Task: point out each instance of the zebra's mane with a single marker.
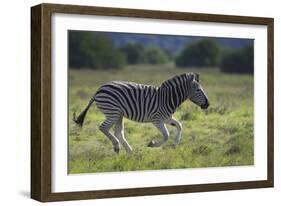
(169, 82)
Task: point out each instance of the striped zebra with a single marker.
(144, 103)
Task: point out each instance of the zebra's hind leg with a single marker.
(105, 127)
(119, 133)
(165, 135)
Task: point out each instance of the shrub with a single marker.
(155, 55)
(235, 149)
(202, 150)
(203, 53)
(239, 61)
(94, 51)
(137, 54)
(134, 53)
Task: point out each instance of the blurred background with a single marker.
(109, 50)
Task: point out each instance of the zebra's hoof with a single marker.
(116, 149)
(151, 144)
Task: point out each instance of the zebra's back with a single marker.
(134, 101)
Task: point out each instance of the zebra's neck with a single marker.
(173, 96)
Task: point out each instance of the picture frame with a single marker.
(41, 101)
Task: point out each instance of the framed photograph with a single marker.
(129, 102)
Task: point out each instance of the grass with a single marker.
(220, 136)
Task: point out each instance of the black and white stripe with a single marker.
(144, 103)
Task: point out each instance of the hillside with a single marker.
(171, 43)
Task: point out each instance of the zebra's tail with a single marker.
(80, 119)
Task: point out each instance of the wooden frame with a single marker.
(41, 101)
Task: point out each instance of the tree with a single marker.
(155, 55)
(138, 54)
(93, 50)
(203, 53)
(239, 61)
(134, 53)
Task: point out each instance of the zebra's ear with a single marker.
(196, 77)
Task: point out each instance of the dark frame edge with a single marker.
(40, 103)
(101, 194)
(36, 138)
(157, 14)
(270, 100)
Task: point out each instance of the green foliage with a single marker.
(234, 149)
(137, 54)
(220, 136)
(239, 61)
(202, 150)
(134, 53)
(170, 56)
(94, 51)
(155, 55)
(203, 53)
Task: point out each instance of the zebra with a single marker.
(144, 103)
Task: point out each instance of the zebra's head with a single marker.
(197, 94)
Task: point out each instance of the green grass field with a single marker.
(220, 136)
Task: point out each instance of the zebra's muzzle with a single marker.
(205, 106)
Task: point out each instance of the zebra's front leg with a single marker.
(178, 125)
(119, 133)
(165, 135)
